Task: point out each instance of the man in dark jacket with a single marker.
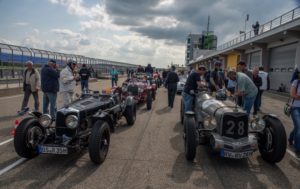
(171, 83)
(84, 77)
(50, 87)
(149, 70)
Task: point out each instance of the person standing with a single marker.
(114, 77)
(84, 74)
(264, 86)
(294, 138)
(242, 67)
(68, 82)
(255, 28)
(245, 88)
(149, 70)
(217, 79)
(171, 83)
(50, 87)
(31, 85)
(258, 82)
(193, 81)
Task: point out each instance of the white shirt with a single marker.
(66, 81)
(264, 79)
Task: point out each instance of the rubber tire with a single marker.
(99, 128)
(20, 143)
(190, 143)
(181, 111)
(279, 141)
(130, 114)
(149, 100)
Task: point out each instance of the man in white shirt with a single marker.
(265, 85)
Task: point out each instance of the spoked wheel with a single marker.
(27, 137)
(272, 141)
(99, 141)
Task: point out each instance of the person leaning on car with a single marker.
(68, 82)
(245, 88)
(50, 87)
(194, 80)
(171, 84)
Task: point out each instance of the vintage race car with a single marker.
(141, 89)
(86, 122)
(229, 131)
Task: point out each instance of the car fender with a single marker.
(273, 116)
(106, 117)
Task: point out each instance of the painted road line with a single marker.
(7, 141)
(291, 153)
(11, 166)
(10, 97)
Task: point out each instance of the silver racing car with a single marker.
(229, 131)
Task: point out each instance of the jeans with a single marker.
(49, 98)
(248, 103)
(295, 134)
(257, 102)
(114, 82)
(172, 89)
(84, 84)
(188, 101)
(27, 93)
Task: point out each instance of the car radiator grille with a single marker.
(133, 89)
(235, 125)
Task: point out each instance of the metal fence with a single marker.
(283, 19)
(13, 59)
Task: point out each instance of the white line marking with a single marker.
(10, 97)
(7, 141)
(291, 153)
(11, 166)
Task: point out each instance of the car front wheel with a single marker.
(190, 143)
(149, 100)
(99, 141)
(272, 141)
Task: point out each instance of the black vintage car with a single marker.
(229, 131)
(87, 122)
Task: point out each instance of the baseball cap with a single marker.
(217, 62)
(71, 61)
(201, 66)
(242, 62)
(52, 61)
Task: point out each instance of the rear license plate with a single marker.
(235, 155)
(52, 150)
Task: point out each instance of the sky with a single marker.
(132, 31)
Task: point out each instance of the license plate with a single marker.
(235, 155)
(52, 150)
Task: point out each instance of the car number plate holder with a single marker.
(42, 149)
(235, 155)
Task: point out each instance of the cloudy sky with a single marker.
(133, 31)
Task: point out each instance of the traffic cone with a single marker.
(13, 132)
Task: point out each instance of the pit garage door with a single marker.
(254, 59)
(282, 63)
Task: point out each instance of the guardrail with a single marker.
(283, 19)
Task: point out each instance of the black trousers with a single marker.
(27, 93)
(172, 89)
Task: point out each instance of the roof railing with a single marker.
(276, 22)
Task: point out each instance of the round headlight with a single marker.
(45, 120)
(72, 121)
(141, 90)
(209, 123)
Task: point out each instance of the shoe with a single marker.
(291, 142)
(21, 112)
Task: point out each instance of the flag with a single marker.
(247, 17)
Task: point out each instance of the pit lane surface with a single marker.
(149, 154)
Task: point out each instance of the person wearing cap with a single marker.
(84, 77)
(217, 79)
(50, 87)
(194, 80)
(242, 67)
(171, 84)
(245, 88)
(114, 77)
(149, 70)
(68, 82)
(31, 85)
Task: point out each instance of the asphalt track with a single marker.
(149, 155)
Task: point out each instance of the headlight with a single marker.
(258, 125)
(124, 89)
(45, 120)
(209, 123)
(71, 121)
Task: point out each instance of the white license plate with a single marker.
(235, 155)
(52, 150)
